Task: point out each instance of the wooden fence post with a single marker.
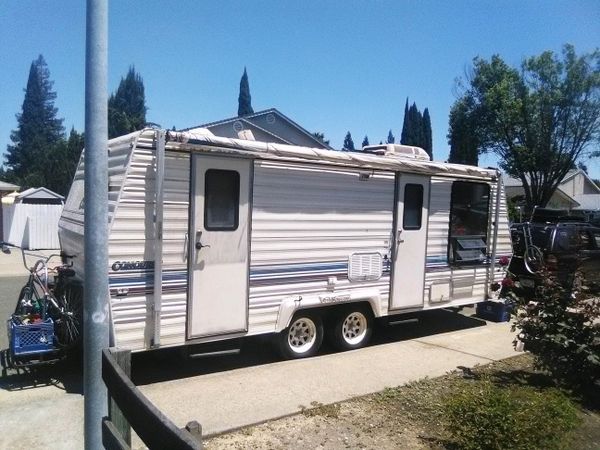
(123, 359)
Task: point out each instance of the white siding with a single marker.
(31, 226)
(132, 238)
(306, 222)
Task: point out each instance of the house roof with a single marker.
(573, 172)
(248, 120)
(588, 201)
(4, 186)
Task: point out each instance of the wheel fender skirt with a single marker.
(290, 305)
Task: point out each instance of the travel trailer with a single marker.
(214, 239)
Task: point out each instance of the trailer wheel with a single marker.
(351, 328)
(303, 337)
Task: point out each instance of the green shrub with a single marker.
(485, 416)
(561, 328)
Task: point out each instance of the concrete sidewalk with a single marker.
(12, 264)
(225, 400)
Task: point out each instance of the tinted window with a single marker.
(413, 206)
(221, 200)
(469, 219)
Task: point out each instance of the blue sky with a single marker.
(332, 66)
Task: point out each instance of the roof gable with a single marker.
(39, 193)
(589, 186)
(279, 128)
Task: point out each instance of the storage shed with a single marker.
(31, 220)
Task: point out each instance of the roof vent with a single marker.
(398, 151)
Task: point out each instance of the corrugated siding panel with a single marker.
(31, 226)
(132, 239)
(71, 221)
(306, 219)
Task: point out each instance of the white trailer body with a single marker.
(213, 238)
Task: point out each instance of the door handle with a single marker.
(199, 245)
(399, 239)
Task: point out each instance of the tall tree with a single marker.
(462, 136)
(321, 137)
(244, 99)
(64, 164)
(405, 125)
(39, 132)
(416, 128)
(365, 141)
(427, 137)
(538, 119)
(391, 139)
(127, 106)
(348, 142)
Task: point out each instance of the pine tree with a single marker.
(64, 164)
(39, 131)
(320, 137)
(391, 139)
(127, 106)
(348, 143)
(405, 125)
(365, 141)
(244, 99)
(427, 138)
(462, 136)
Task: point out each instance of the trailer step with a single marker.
(403, 321)
(234, 351)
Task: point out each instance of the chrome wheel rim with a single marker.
(302, 335)
(354, 328)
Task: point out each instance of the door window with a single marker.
(413, 207)
(221, 200)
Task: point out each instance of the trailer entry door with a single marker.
(410, 246)
(218, 252)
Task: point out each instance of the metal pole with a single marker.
(95, 309)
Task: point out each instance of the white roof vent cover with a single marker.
(398, 151)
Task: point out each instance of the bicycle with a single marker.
(533, 257)
(48, 317)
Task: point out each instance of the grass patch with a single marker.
(489, 416)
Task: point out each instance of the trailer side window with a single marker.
(469, 218)
(221, 200)
(413, 207)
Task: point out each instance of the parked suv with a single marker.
(561, 246)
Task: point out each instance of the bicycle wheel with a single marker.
(68, 326)
(534, 259)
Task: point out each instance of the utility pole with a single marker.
(95, 307)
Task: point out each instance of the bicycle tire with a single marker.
(533, 259)
(68, 325)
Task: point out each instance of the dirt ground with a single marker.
(407, 417)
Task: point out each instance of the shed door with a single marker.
(410, 246)
(218, 262)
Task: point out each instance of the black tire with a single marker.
(303, 337)
(350, 328)
(68, 325)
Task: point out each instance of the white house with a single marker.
(576, 192)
